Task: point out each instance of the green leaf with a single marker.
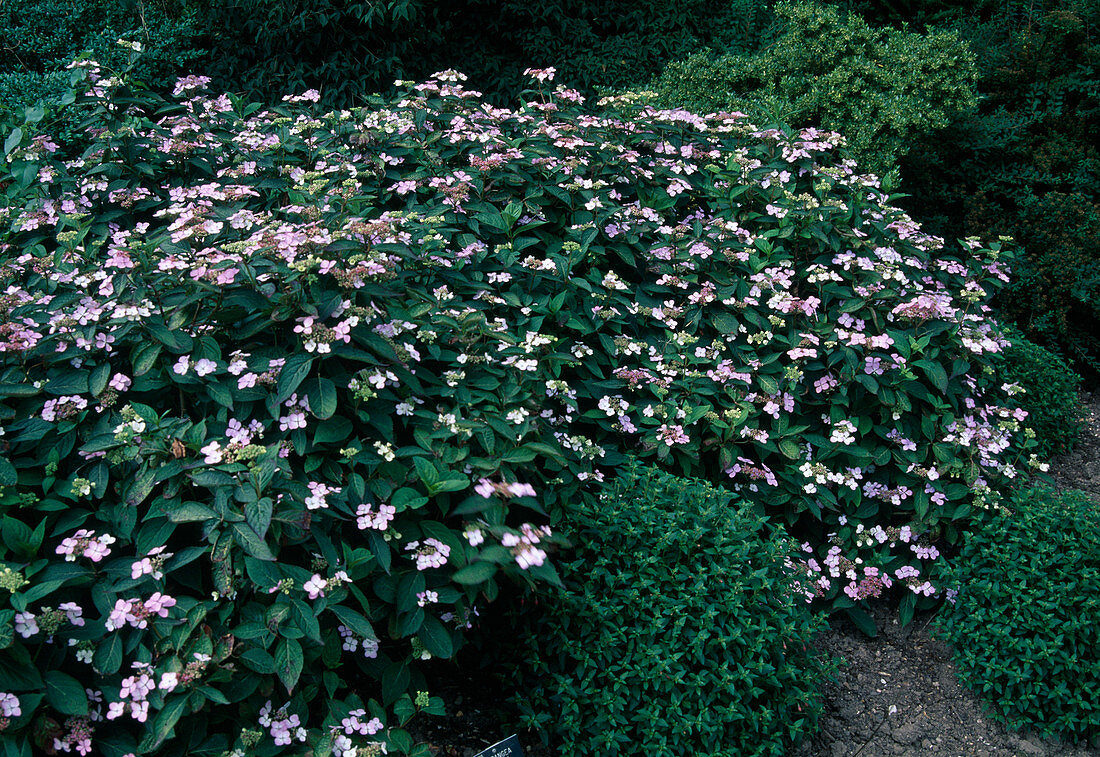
(65, 694)
(790, 448)
(322, 397)
(100, 376)
(289, 662)
(175, 340)
(935, 373)
(863, 621)
(436, 638)
(426, 470)
(353, 620)
(332, 431)
(768, 385)
(13, 140)
(259, 660)
(251, 542)
(140, 487)
(475, 573)
(188, 512)
(8, 475)
(108, 655)
(145, 357)
(258, 515)
(73, 382)
(220, 393)
(164, 724)
(292, 375)
(395, 682)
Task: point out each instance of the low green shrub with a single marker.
(677, 631)
(325, 379)
(1050, 389)
(881, 88)
(1024, 621)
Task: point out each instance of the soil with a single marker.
(896, 694)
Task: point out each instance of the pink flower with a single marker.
(158, 604)
(315, 586)
(213, 453)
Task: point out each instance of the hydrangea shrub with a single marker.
(286, 393)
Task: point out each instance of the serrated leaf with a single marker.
(436, 638)
(99, 378)
(863, 621)
(322, 397)
(475, 573)
(291, 376)
(251, 542)
(164, 724)
(353, 620)
(790, 448)
(65, 694)
(188, 512)
(288, 662)
(259, 660)
(107, 658)
(258, 515)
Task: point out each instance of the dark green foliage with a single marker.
(1050, 393)
(38, 38)
(1024, 622)
(350, 49)
(1028, 165)
(677, 632)
(881, 88)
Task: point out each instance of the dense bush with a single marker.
(677, 631)
(1028, 165)
(230, 333)
(881, 88)
(350, 49)
(1049, 395)
(1024, 621)
(40, 37)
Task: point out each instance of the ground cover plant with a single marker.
(1024, 622)
(676, 631)
(1049, 388)
(288, 391)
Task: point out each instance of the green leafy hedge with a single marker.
(1050, 389)
(882, 88)
(1024, 620)
(677, 630)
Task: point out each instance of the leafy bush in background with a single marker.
(40, 37)
(1024, 621)
(1050, 389)
(676, 631)
(883, 89)
(349, 49)
(1028, 164)
(280, 382)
